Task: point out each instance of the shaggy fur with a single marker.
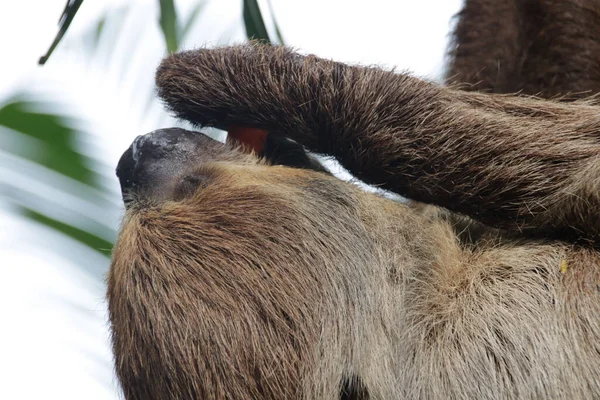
(537, 47)
(517, 163)
(271, 282)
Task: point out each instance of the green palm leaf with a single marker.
(38, 141)
(53, 138)
(255, 23)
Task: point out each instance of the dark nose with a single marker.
(154, 162)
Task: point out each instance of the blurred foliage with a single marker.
(253, 20)
(63, 23)
(173, 31)
(51, 139)
(85, 237)
(255, 23)
(55, 140)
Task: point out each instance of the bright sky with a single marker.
(53, 313)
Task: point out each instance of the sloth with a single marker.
(244, 270)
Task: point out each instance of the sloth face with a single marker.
(172, 164)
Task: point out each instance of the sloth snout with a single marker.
(155, 162)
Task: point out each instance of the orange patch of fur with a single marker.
(252, 138)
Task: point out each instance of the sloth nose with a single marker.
(154, 162)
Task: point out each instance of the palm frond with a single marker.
(51, 181)
(53, 140)
(168, 25)
(65, 20)
(254, 23)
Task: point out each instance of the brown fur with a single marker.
(537, 47)
(271, 282)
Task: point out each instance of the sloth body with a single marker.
(244, 277)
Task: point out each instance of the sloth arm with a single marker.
(515, 163)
